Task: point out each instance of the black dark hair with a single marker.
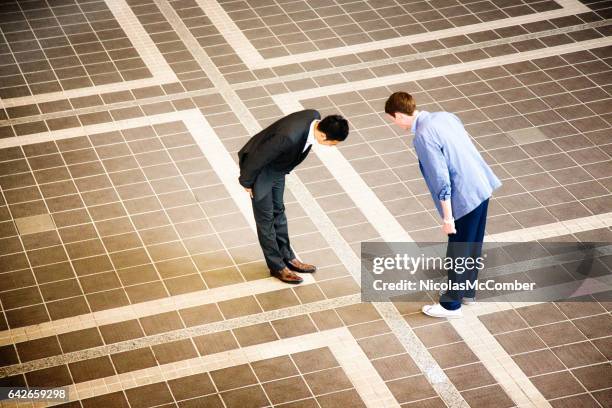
(335, 127)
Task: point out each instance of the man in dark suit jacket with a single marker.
(264, 161)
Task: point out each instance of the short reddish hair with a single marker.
(401, 102)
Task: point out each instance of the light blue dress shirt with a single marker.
(450, 163)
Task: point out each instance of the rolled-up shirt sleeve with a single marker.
(433, 166)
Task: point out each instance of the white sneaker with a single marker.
(468, 301)
(436, 310)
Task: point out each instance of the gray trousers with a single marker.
(272, 229)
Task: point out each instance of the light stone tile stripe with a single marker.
(209, 67)
(148, 52)
(146, 48)
(364, 377)
(226, 170)
(554, 229)
(140, 310)
(180, 334)
(220, 160)
(507, 373)
(230, 31)
(518, 386)
(418, 56)
(570, 7)
(441, 71)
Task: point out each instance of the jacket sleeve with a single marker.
(254, 162)
(434, 167)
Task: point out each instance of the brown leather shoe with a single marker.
(287, 276)
(297, 266)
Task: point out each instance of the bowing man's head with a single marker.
(332, 130)
(401, 108)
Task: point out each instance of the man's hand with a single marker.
(250, 191)
(448, 227)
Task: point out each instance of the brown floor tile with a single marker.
(583, 400)
(309, 293)
(504, 321)
(255, 334)
(369, 329)
(381, 346)
(174, 351)
(198, 315)
(49, 377)
(274, 368)
(161, 323)
(550, 333)
(338, 287)
(122, 331)
(326, 381)
(191, 386)
(595, 377)
(437, 334)
(288, 389)
(393, 367)
(348, 399)
(215, 342)
(212, 401)
(595, 326)
(39, 348)
(604, 345)
(557, 385)
(146, 292)
(314, 360)
(233, 377)
(184, 284)
(222, 277)
(326, 319)
(249, 397)
(62, 309)
(603, 397)
(91, 369)
(239, 307)
(453, 355)
(149, 395)
(80, 340)
(27, 316)
(579, 354)
(8, 355)
(410, 389)
(359, 313)
(107, 300)
(470, 376)
(175, 268)
(294, 326)
(133, 360)
(538, 362)
(306, 403)
(277, 299)
(520, 341)
(116, 399)
(492, 396)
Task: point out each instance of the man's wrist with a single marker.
(450, 220)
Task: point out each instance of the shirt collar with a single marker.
(311, 135)
(414, 122)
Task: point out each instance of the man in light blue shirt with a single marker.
(460, 183)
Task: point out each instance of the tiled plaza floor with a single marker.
(129, 265)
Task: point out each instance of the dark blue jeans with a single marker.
(467, 242)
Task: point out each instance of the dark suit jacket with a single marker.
(275, 151)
